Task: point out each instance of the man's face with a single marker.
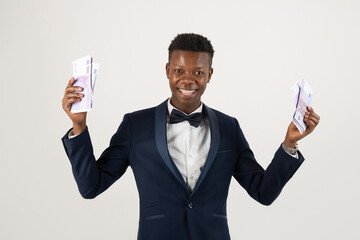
(188, 74)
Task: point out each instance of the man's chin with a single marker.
(185, 103)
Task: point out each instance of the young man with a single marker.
(183, 154)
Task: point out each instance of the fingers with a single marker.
(312, 113)
(70, 95)
(73, 89)
(67, 101)
(70, 89)
(75, 95)
(310, 125)
(311, 119)
(71, 82)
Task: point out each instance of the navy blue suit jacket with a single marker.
(168, 210)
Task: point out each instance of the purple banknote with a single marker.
(84, 72)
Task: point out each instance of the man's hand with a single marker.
(293, 135)
(78, 119)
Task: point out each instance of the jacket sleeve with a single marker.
(263, 185)
(93, 177)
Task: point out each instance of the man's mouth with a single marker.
(187, 92)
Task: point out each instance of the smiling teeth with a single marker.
(187, 92)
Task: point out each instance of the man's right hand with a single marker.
(70, 96)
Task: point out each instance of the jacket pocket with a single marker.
(224, 151)
(153, 217)
(150, 205)
(151, 211)
(219, 216)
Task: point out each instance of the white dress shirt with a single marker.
(188, 146)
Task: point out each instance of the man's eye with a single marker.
(199, 73)
(177, 71)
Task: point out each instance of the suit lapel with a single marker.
(161, 141)
(214, 145)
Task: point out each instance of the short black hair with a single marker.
(191, 42)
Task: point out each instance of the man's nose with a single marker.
(188, 79)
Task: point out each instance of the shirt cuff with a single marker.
(291, 151)
(71, 134)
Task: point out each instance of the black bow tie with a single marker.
(177, 116)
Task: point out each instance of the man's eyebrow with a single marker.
(199, 67)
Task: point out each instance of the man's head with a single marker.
(189, 70)
(191, 42)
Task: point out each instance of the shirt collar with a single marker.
(171, 107)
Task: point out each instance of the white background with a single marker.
(262, 49)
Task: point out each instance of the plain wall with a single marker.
(261, 49)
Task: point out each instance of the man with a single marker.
(183, 154)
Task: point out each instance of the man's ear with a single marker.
(167, 67)
(210, 74)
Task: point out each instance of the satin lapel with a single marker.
(161, 141)
(214, 145)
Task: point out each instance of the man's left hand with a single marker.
(293, 135)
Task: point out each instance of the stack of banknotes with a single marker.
(84, 72)
(302, 95)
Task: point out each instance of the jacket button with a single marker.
(190, 205)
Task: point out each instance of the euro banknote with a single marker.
(84, 72)
(303, 94)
